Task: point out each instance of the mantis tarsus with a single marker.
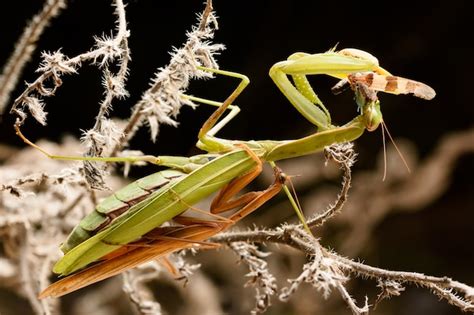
(117, 239)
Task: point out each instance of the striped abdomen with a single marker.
(118, 203)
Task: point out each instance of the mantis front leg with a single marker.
(356, 68)
(336, 64)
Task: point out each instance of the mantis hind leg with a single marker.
(224, 202)
(262, 197)
(174, 239)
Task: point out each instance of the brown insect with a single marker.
(385, 83)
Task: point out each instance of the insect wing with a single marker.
(393, 84)
(182, 238)
(152, 212)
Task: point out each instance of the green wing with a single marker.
(160, 207)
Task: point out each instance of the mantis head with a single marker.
(369, 106)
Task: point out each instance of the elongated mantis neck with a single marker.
(274, 150)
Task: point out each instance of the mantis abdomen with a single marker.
(118, 203)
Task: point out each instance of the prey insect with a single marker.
(371, 82)
(385, 83)
(126, 229)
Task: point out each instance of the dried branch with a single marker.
(443, 287)
(399, 193)
(321, 272)
(327, 270)
(161, 103)
(345, 156)
(260, 276)
(104, 134)
(139, 295)
(350, 301)
(54, 65)
(24, 48)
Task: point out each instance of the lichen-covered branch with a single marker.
(327, 270)
(260, 277)
(161, 103)
(25, 47)
(345, 156)
(55, 65)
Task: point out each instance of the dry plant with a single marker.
(38, 209)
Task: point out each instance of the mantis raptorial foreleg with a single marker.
(301, 94)
(361, 70)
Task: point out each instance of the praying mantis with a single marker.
(126, 229)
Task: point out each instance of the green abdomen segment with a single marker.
(118, 203)
(159, 207)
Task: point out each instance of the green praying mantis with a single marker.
(126, 229)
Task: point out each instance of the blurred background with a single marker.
(421, 221)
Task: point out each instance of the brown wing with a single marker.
(182, 238)
(393, 84)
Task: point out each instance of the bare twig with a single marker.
(443, 287)
(351, 303)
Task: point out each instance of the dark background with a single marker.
(428, 41)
